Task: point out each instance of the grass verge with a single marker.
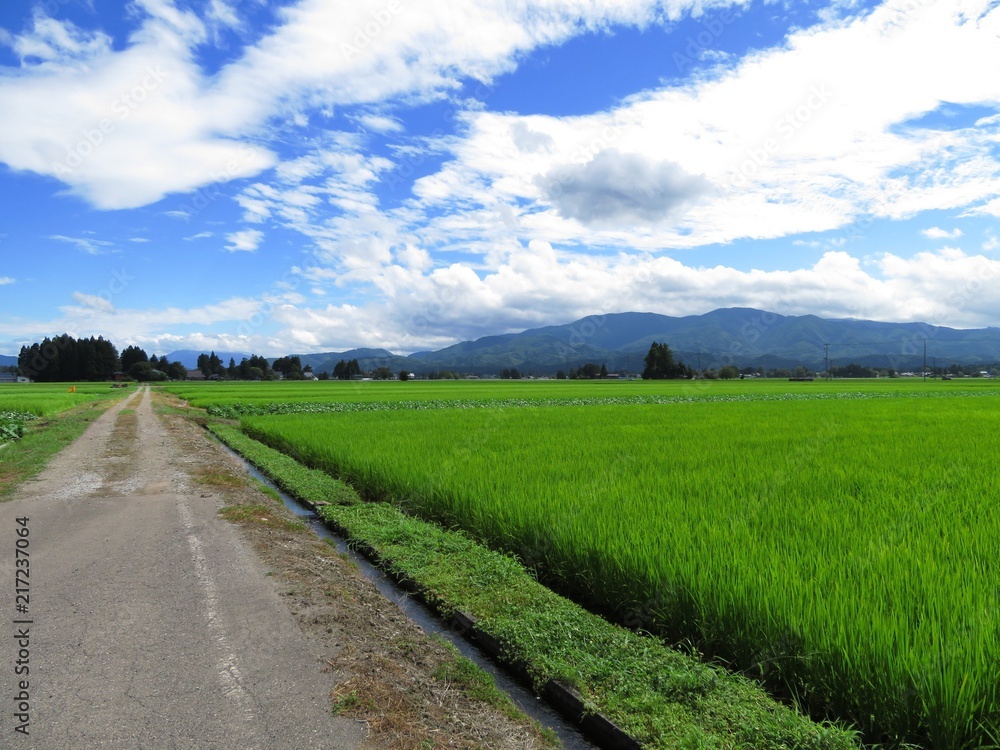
(662, 698)
(25, 458)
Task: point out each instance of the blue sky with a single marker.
(317, 175)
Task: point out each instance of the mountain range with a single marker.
(742, 336)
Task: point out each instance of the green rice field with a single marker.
(840, 541)
(22, 403)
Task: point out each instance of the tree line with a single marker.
(65, 358)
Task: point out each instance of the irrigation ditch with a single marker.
(558, 707)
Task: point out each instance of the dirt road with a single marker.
(151, 623)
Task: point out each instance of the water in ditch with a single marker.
(570, 737)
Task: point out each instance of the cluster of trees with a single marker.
(660, 364)
(65, 358)
(727, 372)
(444, 375)
(589, 371)
(511, 373)
(853, 371)
(254, 367)
(211, 364)
(290, 368)
(347, 370)
(352, 370)
(139, 366)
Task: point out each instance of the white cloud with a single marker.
(120, 128)
(125, 127)
(54, 43)
(989, 208)
(615, 188)
(936, 233)
(421, 308)
(381, 123)
(4, 280)
(93, 302)
(88, 245)
(808, 136)
(247, 240)
(139, 239)
(223, 14)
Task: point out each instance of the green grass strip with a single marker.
(314, 487)
(663, 698)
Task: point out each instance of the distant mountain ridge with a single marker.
(7, 361)
(742, 336)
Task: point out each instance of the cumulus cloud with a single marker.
(807, 136)
(124, 127)
(529, 140)
(246, 241)
(615, 188)
(425, 308)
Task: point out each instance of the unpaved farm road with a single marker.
(153, 625)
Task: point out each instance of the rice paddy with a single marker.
(21, 404)
(840, 543)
